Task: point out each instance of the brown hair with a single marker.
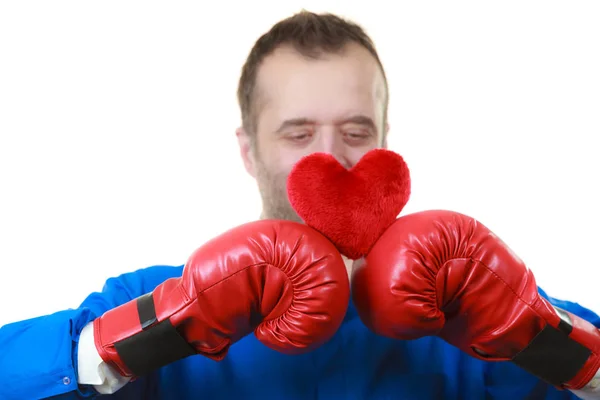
(310, 34)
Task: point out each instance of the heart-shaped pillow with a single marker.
(352, 207)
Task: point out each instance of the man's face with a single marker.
(334, 104)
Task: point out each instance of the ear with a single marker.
(386, 132)
(246, 150)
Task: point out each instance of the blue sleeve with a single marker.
(506, 380)
(38, 356)
(573, 308)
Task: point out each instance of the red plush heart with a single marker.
(352, 207)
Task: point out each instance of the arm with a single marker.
(504, 379)
(291, 290)
(39, 355)
(125, 287)
(445, 274)
(592, 389)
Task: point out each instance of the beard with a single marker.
(273, 191)
(276, 204)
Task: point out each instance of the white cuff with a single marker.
(91, 369)
(591, 391)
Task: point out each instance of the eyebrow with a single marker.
(355, 119)
(288, 123)
(360, 120)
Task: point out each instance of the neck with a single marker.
(349, 267)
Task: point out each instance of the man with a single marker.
(313, 83)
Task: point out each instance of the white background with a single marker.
(117, 119)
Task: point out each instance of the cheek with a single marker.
(287, 162)
(277, 161)
(281, 159)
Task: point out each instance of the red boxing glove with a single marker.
(444, 274)
(281, 279)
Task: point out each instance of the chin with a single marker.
(282, 213)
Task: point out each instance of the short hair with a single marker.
(310, 34)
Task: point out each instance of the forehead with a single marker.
(291, 85)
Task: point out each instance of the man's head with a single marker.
(313, 83)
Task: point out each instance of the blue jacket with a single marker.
(38, 360)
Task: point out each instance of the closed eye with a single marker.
(358, 138)
(298, 137)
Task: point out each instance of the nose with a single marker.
(331, 143)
